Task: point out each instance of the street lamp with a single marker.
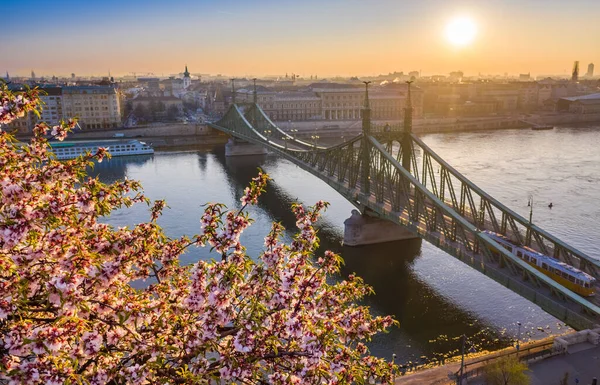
(462, 360)
(518, 336)
(285, 139)
(315, 138)
(267, 134)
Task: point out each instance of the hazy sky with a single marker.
(324, 37)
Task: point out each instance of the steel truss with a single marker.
(395, 176)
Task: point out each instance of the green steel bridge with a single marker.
(389, 173)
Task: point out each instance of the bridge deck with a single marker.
(447, 209)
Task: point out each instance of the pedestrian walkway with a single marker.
(582, 364)
(434, 376)
(577, 354)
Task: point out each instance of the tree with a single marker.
(128, 108)
(507, 370)
(68, 312)
(565, 379)
(141, 112)
(154, 108)
(172, 112)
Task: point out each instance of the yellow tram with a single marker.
(565, 274)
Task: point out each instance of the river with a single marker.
(435, 297)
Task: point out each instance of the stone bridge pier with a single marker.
(239, 147)
(363, 229)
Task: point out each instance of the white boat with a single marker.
(71, 150)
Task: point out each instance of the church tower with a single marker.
(187, 80)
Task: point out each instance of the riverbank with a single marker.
(167, 135)
(160, 136)
(576, 353)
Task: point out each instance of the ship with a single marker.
(563, 273)
(73, 149)
(540, 128)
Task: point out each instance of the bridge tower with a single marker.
(255, 95)
(365, 187)
(232, 91)
(406, 136)
(367, 228)
(239, 147)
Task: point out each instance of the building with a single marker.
(505, 94)
(296, 106)
(218, 102)
(52, 106)
(187, 80)
(50, 109)
(341, 103)
(152, 85)
(285, 105)
(170, 87)
(589, 74)
(544, 94)
(22, 125)
(575, 72)
(525, 77)
(528, 96)
(336, 102)
(161, 102)
(585, 104)
(387, 103)
(96, 107)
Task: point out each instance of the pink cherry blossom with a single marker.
(69, 314)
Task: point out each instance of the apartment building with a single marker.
(50, 109)
(334, 103)
(97, 107)
(51, 105)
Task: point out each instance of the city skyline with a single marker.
(348, 38)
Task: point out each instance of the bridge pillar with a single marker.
(238, 147)
(362, 229)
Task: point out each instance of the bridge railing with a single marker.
(487, 212)
(432, 218)
(369, 175)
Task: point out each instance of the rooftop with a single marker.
(157, 98)
(595, 96)
(89, 89)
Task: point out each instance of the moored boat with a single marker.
(540, 128)
(71, 150)
(565, 274)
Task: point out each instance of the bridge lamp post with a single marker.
(462, 361)
(315, 138)
(459, 377)
(294, 131)
(518, 336)
(285, 139)
(267, 134)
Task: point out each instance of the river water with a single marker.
(435, 297)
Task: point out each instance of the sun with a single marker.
(461, 31)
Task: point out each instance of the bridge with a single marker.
(388, 173)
